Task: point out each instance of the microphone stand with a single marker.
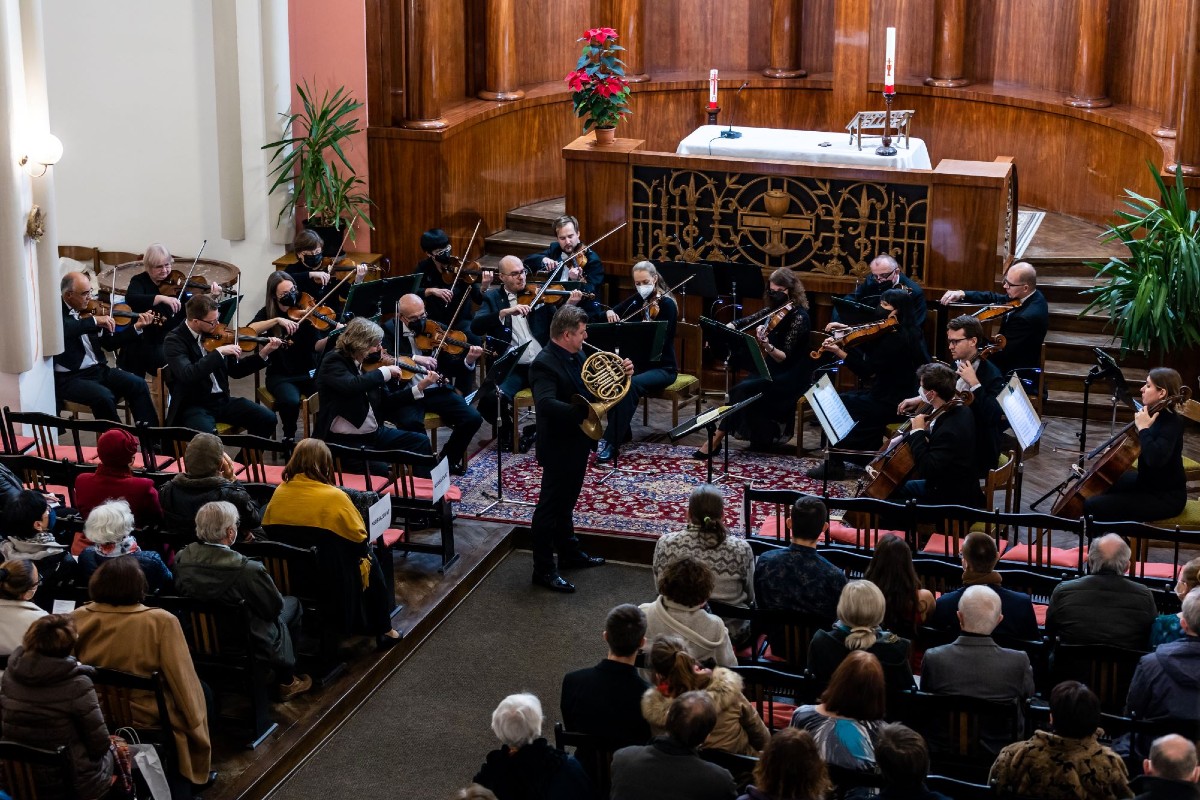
(731, 133)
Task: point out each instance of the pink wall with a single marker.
(327, 42)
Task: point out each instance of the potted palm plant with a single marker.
(1153, 296)
(312, 154)
(599, 91)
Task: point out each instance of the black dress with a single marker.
(1157, 489)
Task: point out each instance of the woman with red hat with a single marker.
(114, 480)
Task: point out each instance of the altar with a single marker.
(822, 147)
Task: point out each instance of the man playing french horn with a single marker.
(556, 377)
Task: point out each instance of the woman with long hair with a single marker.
(891, 569)
(860, 613)
(849, 714)
(739, 729)
(790, 768)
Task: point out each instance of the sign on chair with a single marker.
(873, 120)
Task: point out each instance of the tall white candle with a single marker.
(889, 63)
(712, 88)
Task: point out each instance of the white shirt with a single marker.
(343, 426)
(522, 334)
(216, 386)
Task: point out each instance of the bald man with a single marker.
(1170, 771)
(399, 339)
(81, 371)
(1024, 329)
(504, 317)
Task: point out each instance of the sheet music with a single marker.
(1020, 414)
(709, 416)
(831, 412)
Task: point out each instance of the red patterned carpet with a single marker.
(647, 496)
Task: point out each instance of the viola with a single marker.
(457, 269)
(173, 285)
(859, 334)
(996, 311)
(121, 313)
(339, 268)
(408, 368)
(323, 318)
(757, 317)
(246, 338)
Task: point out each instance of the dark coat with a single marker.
(945, 458)
(348, 393)
(487, 320)
(668, 312)
(158, 576)
(299, 358)
(606, 700)
(592, 281)
(183, 495)
(828, 650)
(47, 702)
(95, 488)
(74, 330)
(555, 381)
(989, 430)
(1104, 608)
(437, 308)
(191, 367)
(891, 360)
(1024, 330)
(534, 772)
(1016, 607)
(870, 291)
(666, 770)
(449, 366)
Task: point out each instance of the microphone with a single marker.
(731, 133)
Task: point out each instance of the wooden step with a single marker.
(516, 243)
(536, 217)
(1099, 408)
(1066, 318)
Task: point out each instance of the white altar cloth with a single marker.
(793, 145)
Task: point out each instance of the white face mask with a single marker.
(645, 291)
(924, 397)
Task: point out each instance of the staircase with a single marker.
(530, 229)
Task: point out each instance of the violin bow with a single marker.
(462, 262)
(590, 245)
(466, 254)
(317, 304)
(629, 316)
(183, 289)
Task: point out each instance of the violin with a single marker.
(340, 268)
(755, 319)
(246, 338)
(457, 269)
(408, 368)
(996, 311)
(173, 285)
(857, 335)
(552, 293)
(121, 313)
(436, 336)
(323, 318)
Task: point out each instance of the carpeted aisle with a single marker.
(427, 730)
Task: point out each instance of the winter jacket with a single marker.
(739, 729)
(49, 702)
(183, 496)
(704, 633)
(1054, 767)
(536, 771)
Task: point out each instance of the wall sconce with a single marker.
(44, 152)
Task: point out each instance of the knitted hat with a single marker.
(203, 456)
(116, 448)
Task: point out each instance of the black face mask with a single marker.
(289, 300)
(312, 260)
(418, 324)
(776, 297)
(444, 258)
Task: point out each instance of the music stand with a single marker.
(852, 312)
(709, 421)
(702, 283)
(370, 298)
(833, 416)
(227, 308)
(1027, 427)
(737, 279)
(501, 368)
(737, 343)
(640, 342)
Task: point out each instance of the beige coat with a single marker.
(142, 641)
(739, 729)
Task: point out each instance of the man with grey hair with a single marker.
(1104, 606)
(526, 765)
(670, 768)
(1170, 771)
(1167, 681)
(885, 273)
(211, 570)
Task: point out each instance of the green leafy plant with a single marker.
(599, 91)
(312, 155)
(1153, 296)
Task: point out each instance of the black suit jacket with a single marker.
(189, 368)
(870, 291)
(989, 435)
(1024, 329)
(1019, 621)
(140, 297)
(436, 307)
(345, 392)
(606, 700)
(561, 439)
(593, 277)
(945, 458)
(448, 366)
(487, 320)
(73, 332)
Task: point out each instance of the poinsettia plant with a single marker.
(599, 91)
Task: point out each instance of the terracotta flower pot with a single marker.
(606, 135)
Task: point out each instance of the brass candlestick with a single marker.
(886, 148)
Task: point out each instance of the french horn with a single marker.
(604, 377)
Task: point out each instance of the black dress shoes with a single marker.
(554, 582)
(606, 453)
(829, 470)
(700, 455)
(528, 438)
(580, 560)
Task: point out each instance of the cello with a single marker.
(895, 461)
(1112, 459)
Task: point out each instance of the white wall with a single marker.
(132, 96)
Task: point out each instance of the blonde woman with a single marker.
(860, 614)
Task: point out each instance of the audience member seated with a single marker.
(903, 760)
(209, 476)
(799, 579)
(110, 530)
(707, 539)
(683, 590)
(1170, 771)
(118, 632)
(606, 700)
(308, 498)
(526, 766)
(29, 534)
(891, 569)
(979, 556)
(1068, 764)
(114, 480)
(475, 792)
(10, 487)
(859, 614)
(738, 729)
(1166, 682)
(1104, 606)
(670, 768)
(210, 570)
(47, 701)
(974, 665)
(849, 715)
(1167, 627)
(19, 582)
(790, 768)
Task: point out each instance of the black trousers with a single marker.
(517, 380)
(99, 387)
(872, 418)
(621, 415)
(256, 419)
(288, 391)
(462, 420)
(553, 526)
(1125, 502)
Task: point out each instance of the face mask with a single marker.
(312, 260)
(418, 324)
(444, 258)
(924, 397)
(645, 291)
(289, 300)
(776, 297)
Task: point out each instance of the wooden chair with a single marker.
(87, 257)
(788, 633)
(432, 423)
(523, 399)
(309, 406)
(1107, 670)
(107, 259)
(594, 754)
(222, 645)
(73, 409)
(954, 725)
(252, 465)
(689, 346)
(740, 767)
(775, 694)
(117, 691)
(1002, 478)
(161, 391)
(30, 773)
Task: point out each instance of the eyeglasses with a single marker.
(512, 274)
(1008, 284)
(210, 322)
(160, 266)
(442, 251)
(953, 342)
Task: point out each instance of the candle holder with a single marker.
(712, 111)
(886, 148)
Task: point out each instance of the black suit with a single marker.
(870, 291)
(989, 432)
(593, 276)
(487, 322)
(194, 404)
(145, 355)
(1024, 330)
(98, 386)
(891, 362)
(606, 700)
(650, 377)
(462, 419)
(562, 452)
(944, 457)
(1019, 621)
(349, 393)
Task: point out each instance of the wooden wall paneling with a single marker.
(546, 34)
(816, 36)
(1143, 37)
(1022, 42)
(1187, 140)
(913, 21)
(422, 59)
(966, 204)
(598, 193)
(851, 60)
(627, 17)
(702, 34)
(949, 30)
(786, 16)
(500, 62)
(386, 95)
(1088, 87)
(406, 175)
